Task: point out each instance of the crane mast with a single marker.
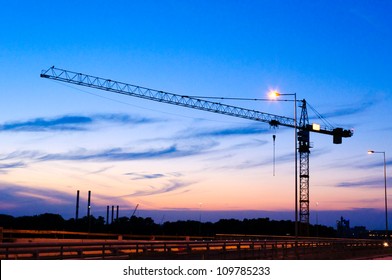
(304, 151)
(303, 127)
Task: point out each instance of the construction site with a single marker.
(195, 130)
(299, 240)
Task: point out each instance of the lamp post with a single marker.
(200, 204)
(317, 219)
(385, 190)
(275, 94)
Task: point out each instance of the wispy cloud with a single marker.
(30, 155)
(4, 167)
(71, 122)
(54, 124)
(266, 161)
(114, 154)
(140, 176)
(353, 109)
(24, 197)
(100, 170)
(197, 131)
(232, 131)
(150, 176)
(119, 154)
(170, 187)
(373, 164)
(364, 183)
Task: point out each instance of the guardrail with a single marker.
(15, 235)
(217, 249)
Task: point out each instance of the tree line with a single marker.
(147, 226)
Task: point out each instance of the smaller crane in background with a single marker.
(134, 211)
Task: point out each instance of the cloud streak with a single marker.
(119, 154)
(71, 122)
(350, 110)
(236, 131)
(263, 162)
(373, 164)
(150, 176)
(4, 167)
(172, 186)
(16, 196)
(115, 154)
(141, 176)
(365, 183)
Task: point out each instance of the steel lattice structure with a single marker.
(303, 127)
(304, 151)
(165, 97)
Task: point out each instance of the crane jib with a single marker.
(184, 101)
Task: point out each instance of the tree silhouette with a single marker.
(146, 226)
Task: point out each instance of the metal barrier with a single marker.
(15, 235)
(217, 249)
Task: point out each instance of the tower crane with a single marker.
(303, 127)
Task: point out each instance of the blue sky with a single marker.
(176, 162)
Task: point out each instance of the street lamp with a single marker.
(317, 219)
(273, 95)
(385, 190)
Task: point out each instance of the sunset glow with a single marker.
(176, 162)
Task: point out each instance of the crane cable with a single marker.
(273, 168)
(327, 124)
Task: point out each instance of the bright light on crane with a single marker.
(316, 127)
